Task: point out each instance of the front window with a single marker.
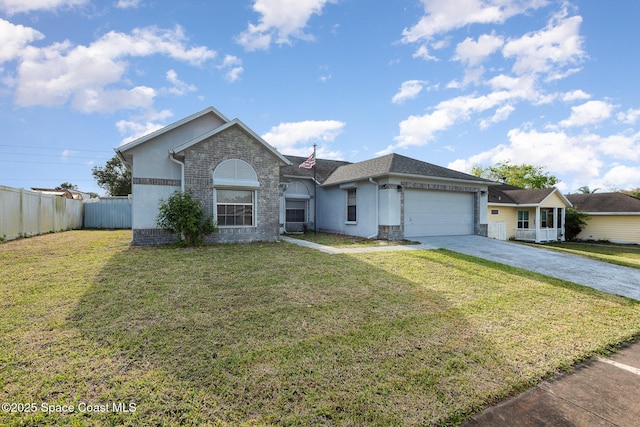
(234, 207)
(351, 205)
(523, 219)
(296, 211)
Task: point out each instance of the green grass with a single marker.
(276, 334)
(344, 241)
(625, 255)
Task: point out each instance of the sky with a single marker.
(457, 83)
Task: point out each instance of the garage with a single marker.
(438, 213)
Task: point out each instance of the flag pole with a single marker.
(315, 199)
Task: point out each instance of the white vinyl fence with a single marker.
(28, 213)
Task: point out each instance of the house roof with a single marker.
(323, 168)
(232, 123)
(509, 194)
(594, 203)
(396, 164)
(152, 135)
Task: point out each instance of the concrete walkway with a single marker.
(331, 250)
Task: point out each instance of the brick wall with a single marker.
(233, 143)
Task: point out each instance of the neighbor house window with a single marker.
(235, 207)
(523, 219)
(351, 205)
(495, 212)
(296, 211)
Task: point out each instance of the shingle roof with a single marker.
(324, 168)
(395, 164)
(509, 194)
(605, 202)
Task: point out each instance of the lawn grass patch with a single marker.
(624, 255)
(276, 334)
(344, 241)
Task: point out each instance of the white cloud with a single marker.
(280, 21)
(128, 4)
(620, 177)
(629, 117)
(86, 75)
(556, 151)
(14, 38)
(287, 137)
(473, 52)
(420, 130)
(20, 6)
(408, 90)
(500, 115)
(588, 113)
(423, 52)
(619, 146)
(232, 66)
(142, 125)
(179, 88)
(548, 50)
(443, 16)
(576, 95)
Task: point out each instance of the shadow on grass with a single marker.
(274, 333)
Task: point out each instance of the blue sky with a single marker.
(457, 83)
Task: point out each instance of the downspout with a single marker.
(377, 209)
(174, 160)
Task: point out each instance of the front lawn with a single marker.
(625, 255)
(276, 334)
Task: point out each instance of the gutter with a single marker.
(377, 209)
(174, 160)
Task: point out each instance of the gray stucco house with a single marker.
(255, 193)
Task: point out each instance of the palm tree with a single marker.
(586, 190)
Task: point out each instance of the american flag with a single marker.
(309, 163)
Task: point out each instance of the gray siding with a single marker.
(108, 212)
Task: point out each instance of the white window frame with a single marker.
(523, 220)
(253, 204)
(347, 205)
(306, 211)
(495, 212)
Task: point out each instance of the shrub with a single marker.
(183, 215)
(574, 222)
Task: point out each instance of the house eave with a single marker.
(612, 213)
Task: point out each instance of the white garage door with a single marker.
(437, 213)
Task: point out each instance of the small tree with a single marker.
(183, 215)
(574, 222)
(523, 176)
(113, 177)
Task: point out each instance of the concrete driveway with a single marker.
(573, 268)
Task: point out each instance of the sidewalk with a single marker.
(599, 392)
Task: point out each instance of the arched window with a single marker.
(235, 183)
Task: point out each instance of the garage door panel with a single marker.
(438, 213)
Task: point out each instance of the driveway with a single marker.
(573, 268)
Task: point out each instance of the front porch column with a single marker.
(563, 212)
(536, 220)
(555, 223)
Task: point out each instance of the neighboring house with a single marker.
(68, 194)
(535, 215)
(255, 193)
(612, 216)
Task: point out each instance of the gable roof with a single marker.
(219, 129)
(595, 203)
(510, 194)
(152, 135)
(323, 168)
(396, 164)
